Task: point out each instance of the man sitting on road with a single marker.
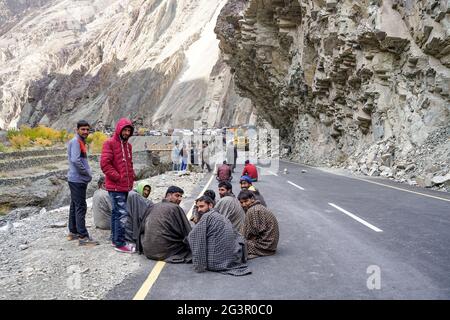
(247, 184)
(195, 215)
(250, 170)
(229, 206)
(101, 206)
(144, 189)
(260, 227)
(215, 245)
(211, 194)
(224, 172)
(137, 205)
(164, 231)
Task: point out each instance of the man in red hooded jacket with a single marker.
(117, 165)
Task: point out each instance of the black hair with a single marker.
(205, 199)
(211, 194)
(224, 161)
(247, 161)
(246, 194)
(101, 181)
(83, 123)
(174, 189)
(226, 185)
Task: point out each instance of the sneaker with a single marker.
(72, 236)
(128, 248)
(113, 244)
(87, 242)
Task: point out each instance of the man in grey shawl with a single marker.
(163, 234)
(229, 206)
(137, 205)
(215, 245)
(101, 206)
(260, 228)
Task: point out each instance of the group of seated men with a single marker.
(223, 234)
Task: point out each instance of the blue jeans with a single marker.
(118, 217)
(78, 208)
(183, 165)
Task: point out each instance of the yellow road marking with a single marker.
(377, 183)
(154, 274)
(151, 279)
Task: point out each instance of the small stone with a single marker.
(60, 224)
(23, 247)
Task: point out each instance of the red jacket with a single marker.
(251, 171)
(117, 160)
(223, 173)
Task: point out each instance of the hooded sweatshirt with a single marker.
(117, 161)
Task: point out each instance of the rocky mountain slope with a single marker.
(363, 84)
(150, 60)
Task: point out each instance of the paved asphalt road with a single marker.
(324, 251)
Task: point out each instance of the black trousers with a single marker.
(78, 208)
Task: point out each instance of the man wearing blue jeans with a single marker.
(118, 216)
(79, 176)
(117, 165)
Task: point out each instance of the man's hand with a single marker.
(194, 219)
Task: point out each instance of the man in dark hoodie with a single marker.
(79, 176)
(117, 165)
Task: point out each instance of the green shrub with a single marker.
(41, 132)
(12, 133)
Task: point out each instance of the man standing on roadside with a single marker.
(79, 176)
(117, 165)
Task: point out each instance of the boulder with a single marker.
(439, 180)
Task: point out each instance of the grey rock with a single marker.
(337, 86)
(438, 180)
(60, 224)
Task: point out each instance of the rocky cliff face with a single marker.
(358, 83)
(150, 60)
